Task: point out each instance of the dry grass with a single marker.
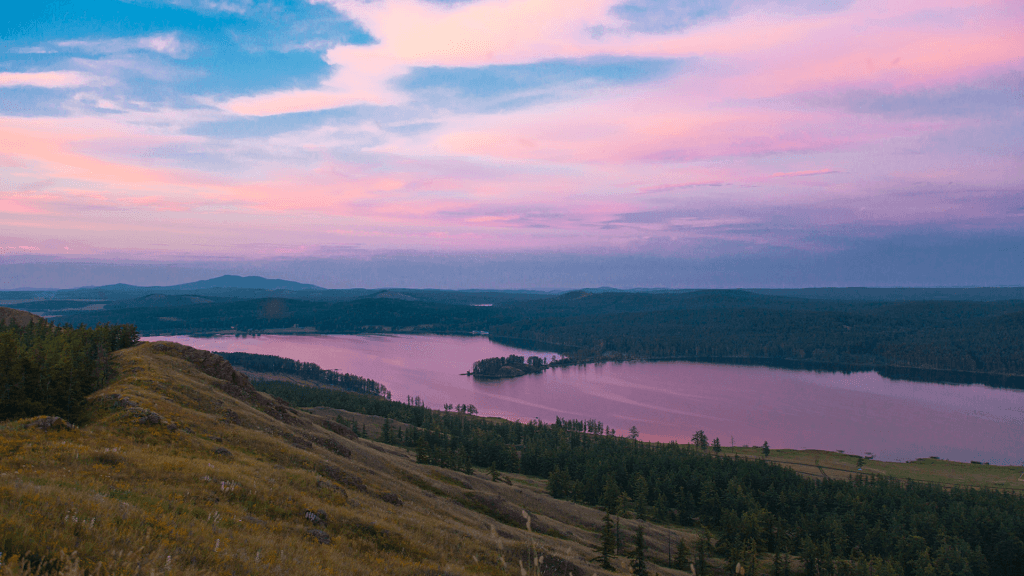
(213, 485)
(821, 463)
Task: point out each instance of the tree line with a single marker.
(305, 370)
(968, 337)
(48, 369)
(711, 325)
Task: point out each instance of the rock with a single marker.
(119, 401)
(222, 451)
(47, 423)
(320, 535)
(318, 517)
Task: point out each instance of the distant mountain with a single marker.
(249, 282)
(900, 294)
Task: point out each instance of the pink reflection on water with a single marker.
(858, 413)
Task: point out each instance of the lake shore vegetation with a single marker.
(946, 340)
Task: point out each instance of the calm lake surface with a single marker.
(858, 413)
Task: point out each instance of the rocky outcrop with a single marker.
(47, 423)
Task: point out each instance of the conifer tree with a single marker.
(607, 542)
(682, 555)
(638, 557)
(703, 552)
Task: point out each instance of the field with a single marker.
(824, 464)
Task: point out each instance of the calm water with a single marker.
(858, 413)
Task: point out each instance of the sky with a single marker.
(513, 143)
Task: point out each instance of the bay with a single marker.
(858, 413)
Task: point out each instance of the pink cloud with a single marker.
(872, 40)
(551, 174)
(670, 187)
(52, 79)
(804, 173)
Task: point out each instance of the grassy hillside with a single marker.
(18, 317)
(180, 467)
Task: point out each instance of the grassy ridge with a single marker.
(175, 471)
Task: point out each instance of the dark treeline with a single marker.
(305, 370)
(949, 336)
(508, 366)
(47, 369)
(867, 526)
(719, 325)
(364, 315)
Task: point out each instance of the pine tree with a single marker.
(607, 542)
(638, 557)
(682, 555)
(703, 552)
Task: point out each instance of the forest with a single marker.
(752, 508)
(971, 337)
(48, 369)
(960, 340)
(306, 370)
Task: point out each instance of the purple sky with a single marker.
(582, 142)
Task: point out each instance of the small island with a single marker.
(510, 366)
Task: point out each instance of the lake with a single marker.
(742, 405)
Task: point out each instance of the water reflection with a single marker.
(858, 412)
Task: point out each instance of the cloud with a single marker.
(523, 125)
(773, 51)
(51, 79)
(237, 7)
(294, 101)
(804, 173)
(672, 187)
(32, 50)
(168, 44)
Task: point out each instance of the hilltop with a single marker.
(18, 317)
(251, 282)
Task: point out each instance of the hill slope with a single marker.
(255, 282)
(181, 466)
(18, 317)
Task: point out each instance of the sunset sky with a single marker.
(863, 142)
